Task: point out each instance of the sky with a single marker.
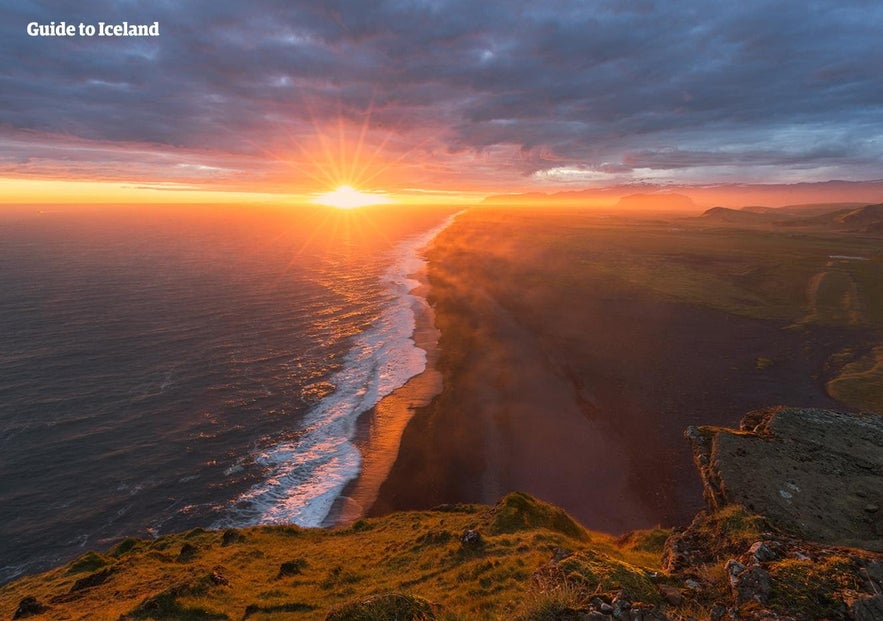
(438, 98)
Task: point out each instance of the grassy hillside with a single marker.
(284, 572)
(521, 560)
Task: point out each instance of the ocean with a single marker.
(171, 367)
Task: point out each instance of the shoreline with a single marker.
(580, 401)
(379, 430)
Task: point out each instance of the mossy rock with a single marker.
(519, 511)
(125, 547)
(713, 537)
(389, 607)
(90, 561)
(603, 574)
(651, 540)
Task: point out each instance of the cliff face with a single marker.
(815, 473)
(787, 493)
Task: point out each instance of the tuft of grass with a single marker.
(166, 607)
(126, 546)
(386, 607)
(737, 525)
(601, 573)
(338, 576)
(812, 589)
(562, 601)
(90, 562)
(650, 540)
(518, 511)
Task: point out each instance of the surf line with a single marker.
(305, 476)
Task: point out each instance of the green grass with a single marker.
(812, 590)
(269, 572)
(860, 382)
(757, 272)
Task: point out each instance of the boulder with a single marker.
(471, 538)
(809, 472)
(29, 607)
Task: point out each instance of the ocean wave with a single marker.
(306, 475)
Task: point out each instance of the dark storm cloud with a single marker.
(607, 86)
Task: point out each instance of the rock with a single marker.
(874, 571)
(680, 552)
(762, 553)
(559, 554)
(231, 536)
(790, 464)
(734, 568)
(871, 508)
(471, 538)
(717, 612)
(188, 551)
(28, 607)
(646, 612)
(692, 585)
(748, 584)
(606, 608)
(671, 594)
(622, 603)
(218, 576)
(867, 609)
(92, 580)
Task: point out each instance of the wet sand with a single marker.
(580, 394)
(379, 430)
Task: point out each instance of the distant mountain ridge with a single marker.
(803, 197)
(861, 219)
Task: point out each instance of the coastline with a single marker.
(379, 430)
(578, 393)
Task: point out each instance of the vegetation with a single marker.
(406, 562)
(815, 589)
(803, 278)
(860, 381)
(522, 559)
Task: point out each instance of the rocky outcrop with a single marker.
(734, 565)
(813, 473)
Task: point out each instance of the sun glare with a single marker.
(347, 197)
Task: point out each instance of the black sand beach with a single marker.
(575, 385)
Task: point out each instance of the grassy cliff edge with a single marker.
(521, 559)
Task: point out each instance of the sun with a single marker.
(347, 197)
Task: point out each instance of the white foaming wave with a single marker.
(307, 474)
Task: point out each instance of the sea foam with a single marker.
(306, 475)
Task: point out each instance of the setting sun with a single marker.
(347, 197)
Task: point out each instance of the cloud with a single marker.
(609, 87)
